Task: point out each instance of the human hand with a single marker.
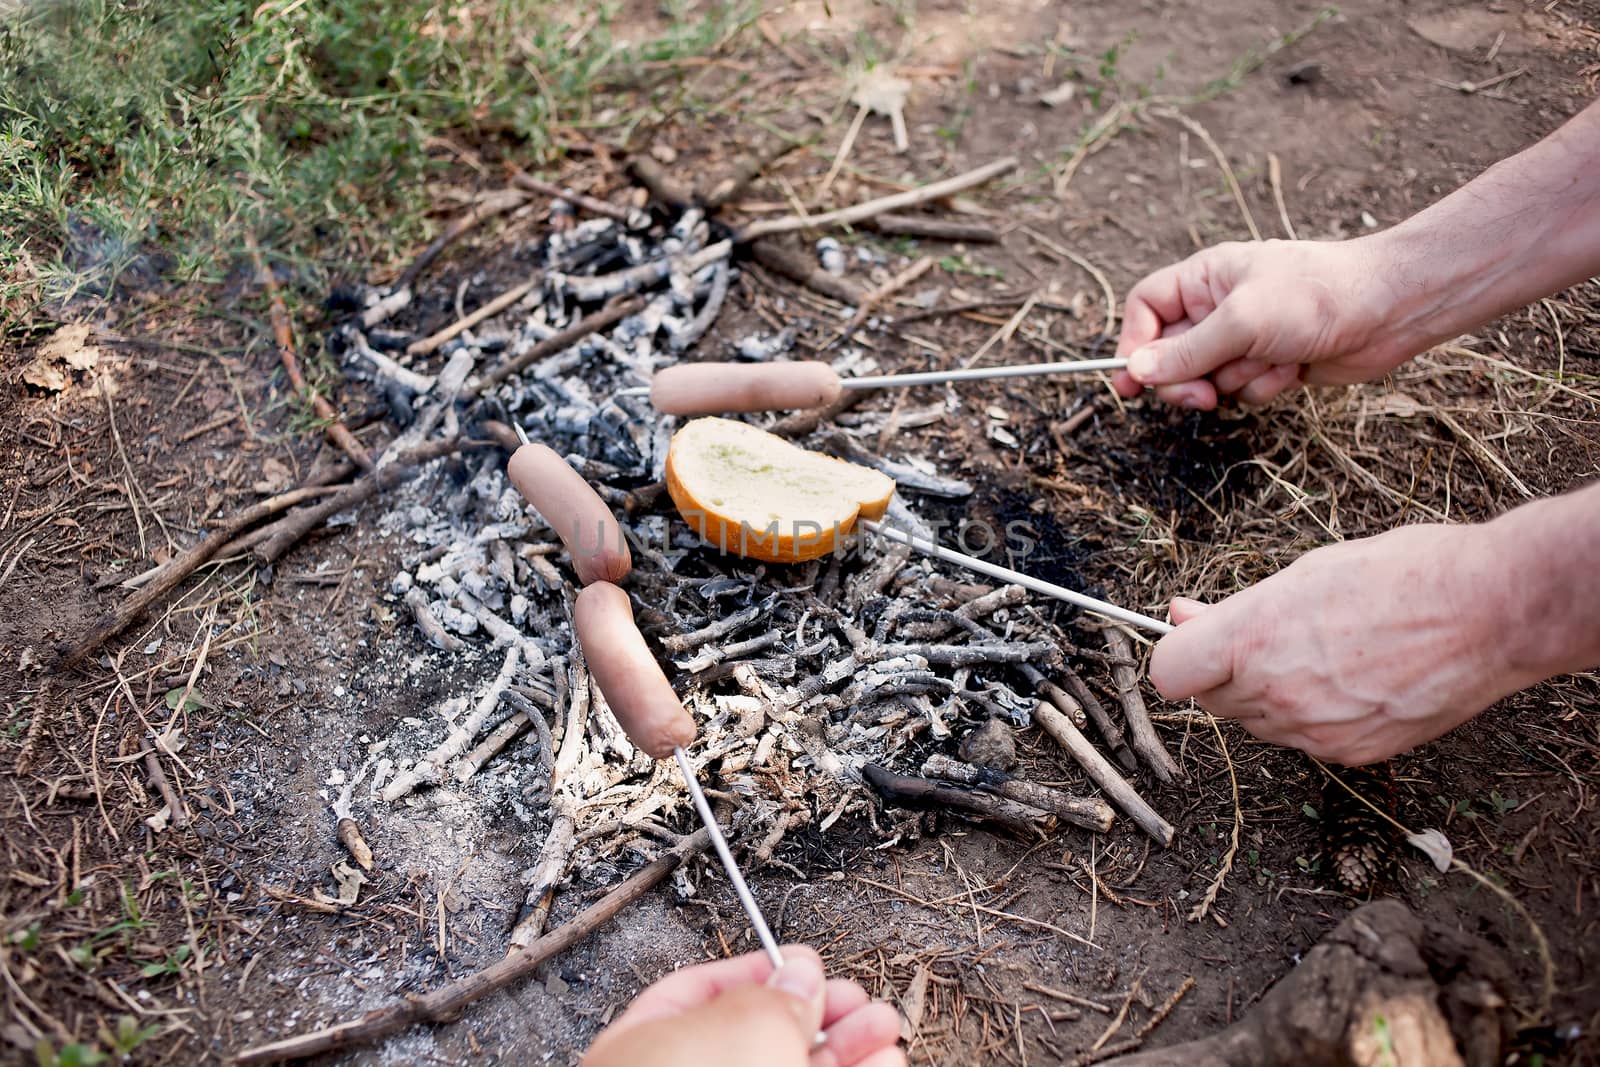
(1356, 651)
(737, 1012)
(1257, 318)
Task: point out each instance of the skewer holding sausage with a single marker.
(797, 385)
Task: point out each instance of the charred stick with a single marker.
(609, 315)
(685, 338)
(663, 188)
(632, 279)
(295, 525)
(802, 269)
(497, 203)
(1092, 813)
(719, 629)
(634, 220)
(433, 341)
(283, 334)
(380, 310)
(1105, 776)
(923, 794)
(431, 628)
(967, 655)
(519, 697)
(738, 650)
(448, 1001)
(1145, 741)
(871, 208)
(892, 225)
(349, 834)
(486, 749)
(171, 574)
(1073, 703)
(502, 632)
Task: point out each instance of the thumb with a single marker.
(804, 980)
(1219, 338)
(1182, 609)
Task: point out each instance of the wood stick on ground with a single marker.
(295, 525)
(1069, 737)
(283, 334)
(433, 341)
(177, 813)
(486, 749)
(923, 794)
(879, 295)
(447, 1002)
(801, 268)
(613, 312)
(663, 188)
(634, 220)
(1146, 1028)
(892, 225)
(179, 568)
(1079, 704)
(1091, 813)
(432, 629)
(1222, 162)
(1144, 739)
(871, 208)
(430, 768)
(1383, 987)
(482, 209)
(556, 851)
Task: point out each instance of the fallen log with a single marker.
(1385, 987)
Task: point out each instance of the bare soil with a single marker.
(312, 660)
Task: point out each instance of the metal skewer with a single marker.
(718, 842)
(731, 866)
(972, 374)
(1006, 574)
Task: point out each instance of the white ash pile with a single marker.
(799, 676)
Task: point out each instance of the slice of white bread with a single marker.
(754, 494)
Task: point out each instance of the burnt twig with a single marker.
(611, 314)
(482, 209)
(1092, 813)
(923, 794)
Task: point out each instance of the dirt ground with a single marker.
(205, 932)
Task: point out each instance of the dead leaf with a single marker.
(42, 375)
(69, 345)
(349, 881)
(1434, 845)
(1397, 404)
(158, 822)
(913, 1004)
(881, 92)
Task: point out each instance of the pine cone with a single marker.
(1359, 843)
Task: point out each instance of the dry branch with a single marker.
(891, 225)
(169, 576)
(663, 188)
(1145, 741)
(634, 220)
(1092, 813)
(295, 525)
(1078, 690)
(487, 207)
(432, 342)
(861, 212)
(1105, 776)
(800, 268)
(923, 794)
(612, 313)
(447, 1002)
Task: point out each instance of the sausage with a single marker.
(629, 677)
(574, 510)
(715, 388)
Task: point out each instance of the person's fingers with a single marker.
(1154, 302)
(1268, 385)
(722, 1032)
(1231, 377)
(1196, 657)
(889, 1057)
(865, 1031)
(843, 997)
(1194, 396)
(1183, 608)
(1219, 338)
(802, 977)
(692, 986)
(1124, 384)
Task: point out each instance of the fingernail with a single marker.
(1142, 364)
(1192, 403)
(801, 977)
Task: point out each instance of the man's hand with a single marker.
(738, 1012)
(1356, 651)
(1254, 319)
